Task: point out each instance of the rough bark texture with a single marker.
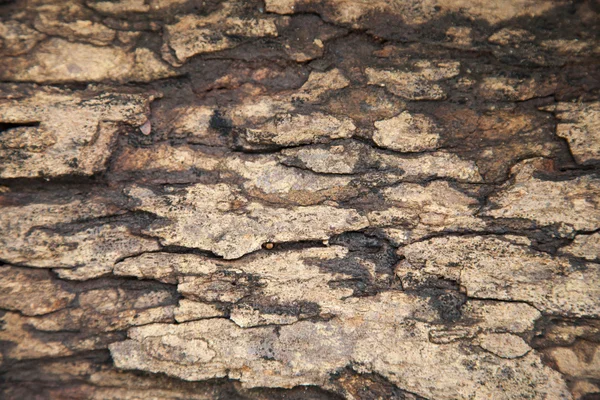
(299, 199)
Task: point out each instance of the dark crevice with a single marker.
(7, 126)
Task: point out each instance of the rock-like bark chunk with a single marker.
(493, 267)
(56, 133)
(295, 129)
(48, 235)
(193, 35)
(261, 289)
(581, 128)
(584, 246)
(366, 332)
(420, 83)
(412, 211)
(407, 133)
(353, 157)
(57, 61)
(569, 203)
(220, 219)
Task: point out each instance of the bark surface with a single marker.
(299, 199)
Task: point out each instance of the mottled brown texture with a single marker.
(299, 199)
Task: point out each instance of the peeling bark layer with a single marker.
(299, 199)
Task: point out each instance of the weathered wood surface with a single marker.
(299, 199)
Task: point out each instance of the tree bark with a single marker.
(299, 199)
